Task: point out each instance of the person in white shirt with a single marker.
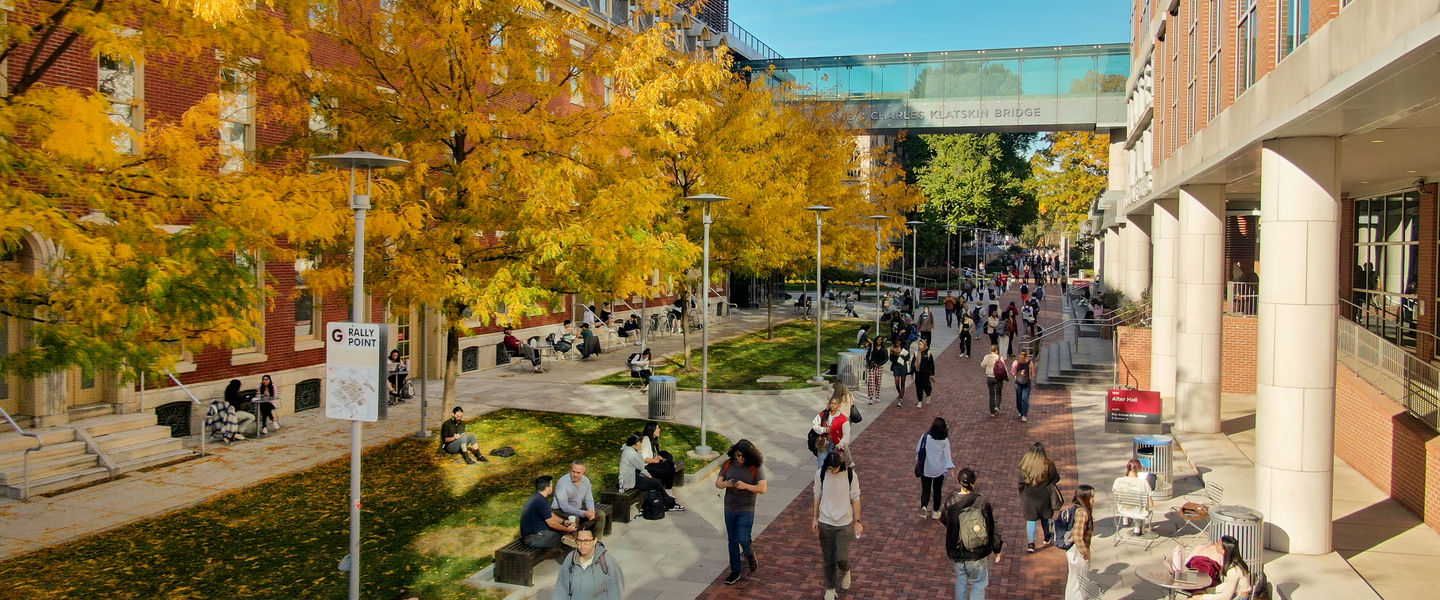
(996, 385)
(933, 465)
(836, 510)
(1137, 481)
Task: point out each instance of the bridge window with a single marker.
(1040, 76)
(1078, 74)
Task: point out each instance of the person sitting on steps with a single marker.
(455, 440)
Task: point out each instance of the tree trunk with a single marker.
(452, 365)
(770, 307)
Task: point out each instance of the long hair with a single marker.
(966, 479)
(841, 393)
(1085, 496)
(752, 455)
(232, 391)
(649, 432)
(267, 389)
(938, 429)
(1036, 466)
(1231, 546)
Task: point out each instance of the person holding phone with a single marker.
(743, 480)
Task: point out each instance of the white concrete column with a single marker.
(1114, 252)
(1295, 381)
(1201, 268)
(1164, 296)
(1136, 236)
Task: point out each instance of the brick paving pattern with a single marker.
(900, 555)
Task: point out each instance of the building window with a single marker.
(1192, 56)
(497, 59)
(542, 62)
(237, 118)
(1386, 258)
(402, 333)
(1294, 24)
(118, 79)
(255, 276)
(1213, 66)
(577, 77)
(387, 24)
(307, 304)
(1247, 38)
(609, 90)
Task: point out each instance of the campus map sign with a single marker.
(354, 370)
(1132, 411)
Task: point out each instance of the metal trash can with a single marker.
(1246, 525)
(662, 397)
(851, 365)
(1156, 454)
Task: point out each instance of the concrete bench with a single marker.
(515, 563)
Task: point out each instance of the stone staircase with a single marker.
(86, 451)
(1081, 359)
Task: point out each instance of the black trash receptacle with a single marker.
(662, 397)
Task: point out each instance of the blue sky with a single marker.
(797, 28)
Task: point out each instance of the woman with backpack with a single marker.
(875, 360)
(1234, 574)
(742, 479)
(820, 438)
(1079, 518)
(900, 368)
(933, 460)
(1021, 371)
(1038, 477)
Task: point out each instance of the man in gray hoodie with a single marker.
(589, 573)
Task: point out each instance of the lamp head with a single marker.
(819, 208)
(359, 159)
(706, 198)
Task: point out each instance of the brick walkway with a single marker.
(900, 555)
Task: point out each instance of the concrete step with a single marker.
(159, 458)
(50, 451)
(56, 482)
(14, 442)
(14, 474)
(88, 411)
(132, 452)
(114, 441)
(107, 425)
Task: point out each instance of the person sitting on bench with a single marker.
(633, 474)
(456, 440)
(658, 463)
(575, 498)
(539, 527)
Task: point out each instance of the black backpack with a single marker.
(653, 507)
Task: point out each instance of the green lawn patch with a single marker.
(429, 522)
(735, 364)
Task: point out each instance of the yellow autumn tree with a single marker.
(523, 126)
(1067, 174)
(114, 223)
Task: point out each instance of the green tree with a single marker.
(1069, 171)
(974, 180)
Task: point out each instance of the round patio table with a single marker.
(1159, 574)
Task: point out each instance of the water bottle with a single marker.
(1177, 561)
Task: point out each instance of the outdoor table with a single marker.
(259, 414)
(1159, 574)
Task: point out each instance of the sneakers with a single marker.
(935, 514)
(275, 423)
(845, 581)
(1024, 419)
(264, 431)
(754, 563)
(919, 405)
(678, 507)
(924, 512)
(1030, 549)
(830, 595)
(735, 576)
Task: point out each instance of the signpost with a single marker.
(1132, 411)
(929, 294)
(354, 370)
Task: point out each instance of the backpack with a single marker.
(999, 371)
(1064, 527)
(653, 508)
(850, 479)
(974, 533)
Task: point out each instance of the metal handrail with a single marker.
(205, 431)
(25, 460)
(1122, 315)
(766, 52)
(1407, 379)
(1383, 316)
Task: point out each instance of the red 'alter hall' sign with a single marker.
(929, 293)
(1132, 411)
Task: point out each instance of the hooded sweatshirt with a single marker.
(602, 580)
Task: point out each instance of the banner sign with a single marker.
(1132, 411)
(929, 293)
(354, 370)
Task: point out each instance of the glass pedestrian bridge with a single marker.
(1059, 88)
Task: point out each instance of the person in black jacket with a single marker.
(972, 565)
(924, 372)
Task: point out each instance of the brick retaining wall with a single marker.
(1397, 453)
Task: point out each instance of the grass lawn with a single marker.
(735, 364)
(429, 522)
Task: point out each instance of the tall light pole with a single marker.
(359, 203)
(703, 450)
(879, 224)
(818, 209)
(949, 233)
(914, 262)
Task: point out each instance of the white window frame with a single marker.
(255, 352)
(1247, 44)
(237, 109)
(315, 337)
(127, 106)
(577, 76)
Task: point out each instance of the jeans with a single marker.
(460, 443)
(543, 539)
(931, 487)
(997, 389)
(971, 578)
(835, 550)
(737, 534)
(596, 525)
(949, 317)
(1030, 530)
(1022, 399)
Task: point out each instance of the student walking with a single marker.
(933, 460)
(900, 368)
(924, 374)
(970, 538)
(742, 479)
(1077, 547)
(926, 324)
(993, 328)
(875, 360)
(1038, 477)
(995, 375)
(836, 511)
(1021, 371)
(949, 309)
(967, 327)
